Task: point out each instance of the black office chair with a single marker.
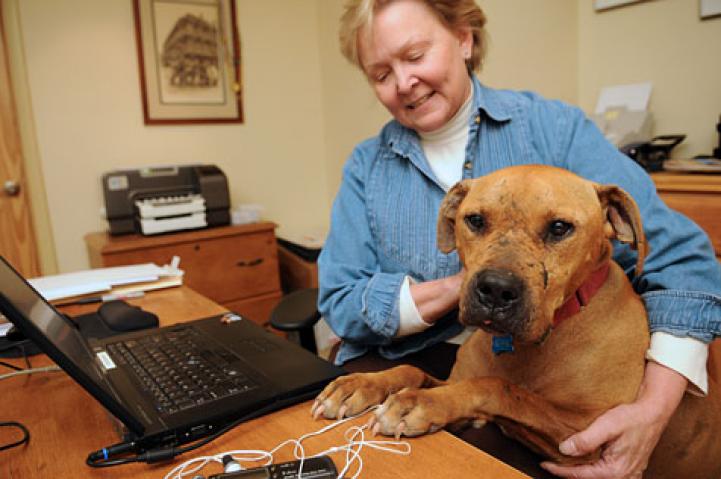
(296, 314)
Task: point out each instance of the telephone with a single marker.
(652, 154)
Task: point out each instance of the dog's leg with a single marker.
(352, 394)
(540, 424)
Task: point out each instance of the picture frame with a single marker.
(600, 5)
(189, 61)
(709, 9)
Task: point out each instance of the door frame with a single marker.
(15, 69)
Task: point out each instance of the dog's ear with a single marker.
(623, 220)
(447, 216)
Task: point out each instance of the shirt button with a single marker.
(477, 119)
(467, 165)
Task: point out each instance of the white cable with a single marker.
(355, 435)
(44, 369)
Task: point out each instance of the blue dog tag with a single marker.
(502, 344)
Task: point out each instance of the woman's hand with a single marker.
(629, 432)
(436, 298)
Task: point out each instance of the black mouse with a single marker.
(121, 316)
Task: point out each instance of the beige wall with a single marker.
(663, 42)
(305, 107)
(532, 46)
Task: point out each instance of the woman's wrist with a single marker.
(662, 389)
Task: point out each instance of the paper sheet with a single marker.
(4, 328)
(100, 280)
(634, 97)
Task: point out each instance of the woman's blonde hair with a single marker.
(454, 14)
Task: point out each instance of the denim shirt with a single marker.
(383, 224)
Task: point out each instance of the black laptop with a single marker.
(176, 384)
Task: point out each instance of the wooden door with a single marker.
(17, 238)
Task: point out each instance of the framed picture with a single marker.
(189, 57)
(608, 4)
(709, 8)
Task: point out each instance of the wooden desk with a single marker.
(66, 424)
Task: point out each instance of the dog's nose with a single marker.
(498, 290)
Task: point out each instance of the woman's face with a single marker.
(416, 65)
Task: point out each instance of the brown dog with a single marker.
(535, 244)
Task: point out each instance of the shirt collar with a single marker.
(490, 102)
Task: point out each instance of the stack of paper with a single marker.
(115, 280)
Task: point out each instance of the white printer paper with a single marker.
(634, 97)
(99, 280)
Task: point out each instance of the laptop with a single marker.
(176, 384)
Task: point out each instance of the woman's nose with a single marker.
(405, 81)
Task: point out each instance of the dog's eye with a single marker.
(475, 222)
(558, 230)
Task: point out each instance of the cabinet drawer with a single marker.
(223, 269)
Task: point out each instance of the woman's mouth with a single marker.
(420, 101)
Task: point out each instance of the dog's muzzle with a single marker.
(495, 301)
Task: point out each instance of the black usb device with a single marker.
(321, 467)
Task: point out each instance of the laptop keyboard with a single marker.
(180, 369)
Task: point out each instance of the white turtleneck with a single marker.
(445, 148)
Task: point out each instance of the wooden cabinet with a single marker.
(236, 266)
(697, 196)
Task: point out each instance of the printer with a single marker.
(162, 199)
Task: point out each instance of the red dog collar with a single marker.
(582, 296)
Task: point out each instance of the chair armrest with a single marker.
(296, 311)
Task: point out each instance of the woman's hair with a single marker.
(454, 14)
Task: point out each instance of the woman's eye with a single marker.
(475, 222)
(558, 229)
(414, 57)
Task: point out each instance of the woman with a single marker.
(386, 289)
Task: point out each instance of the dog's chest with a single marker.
(571, 367)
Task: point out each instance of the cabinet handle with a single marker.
(254, 262)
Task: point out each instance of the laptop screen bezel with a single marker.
(33, 333)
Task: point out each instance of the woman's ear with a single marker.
(465, 39)
(446, 229)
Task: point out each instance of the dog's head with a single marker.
(529, 236)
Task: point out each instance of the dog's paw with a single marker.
(350, 395)
(411, 412)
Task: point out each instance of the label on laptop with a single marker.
(105, 360)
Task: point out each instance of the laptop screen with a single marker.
(32, 307)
